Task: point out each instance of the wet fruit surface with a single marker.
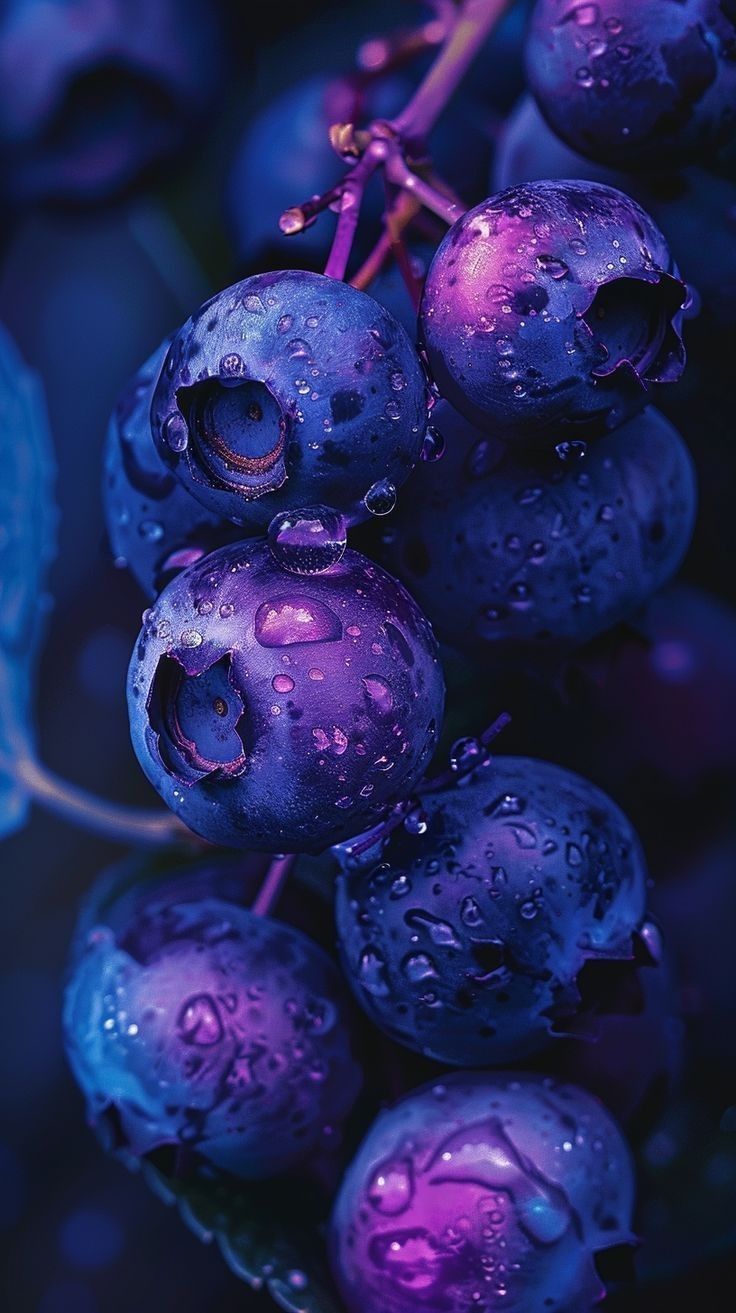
(203, 1026)
(483, 1192)
(279, 710)
(285, 390)
(475, 941)
(549, 310)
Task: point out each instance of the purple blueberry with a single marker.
(683, 205)
(483, 1192)
(523, 558)
(550, 310)
(93, 94)
(155, 526)
(290, 389)
(636, 84)
(199, 1025)
(481, 939)
(278, 709)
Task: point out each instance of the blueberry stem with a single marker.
(398, 218)
(275, 879)
(447, 208)
(381, 55)
(449, 776)
(127, 825)
(472, 26)
(350, 201)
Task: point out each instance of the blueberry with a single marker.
(285, 390)
(508, 1186)
(635, 85)
(480, 940)
(520, 557)
(280, 710)
(155, 526)
(550, 309)
(199, 1025)
(112, 91)
(683, 204)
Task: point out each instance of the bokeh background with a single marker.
(89, 285)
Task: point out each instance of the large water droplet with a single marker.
(392, 1188)
(552, 266)
(176, 434)
(380, 498)
(372, 973)
(440, 932)
(296, 619)
(199, 1021)
(379, 693)
(418, 967)
(433, 446)
(307, 541)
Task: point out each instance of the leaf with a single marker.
(267, 1231)
(27, 544)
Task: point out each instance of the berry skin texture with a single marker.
(290, 389)
(549, 310)
(155, 527)
(521, 559)
(282, 712)
(466, 943)
(484, 1191)
(206, 1027)
(634, 84)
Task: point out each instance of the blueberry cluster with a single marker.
(286, 696)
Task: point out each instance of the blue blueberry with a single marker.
(480, 940)
(198, 1025)
(522, 558)
(286, 390)
(636, 85)
(282, 710)
(550, 310)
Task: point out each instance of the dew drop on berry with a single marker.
(380, 498)
(307, 541)
(175, 432)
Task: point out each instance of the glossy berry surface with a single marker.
(206, 1027)
(683, 204)
(290, 389)
(280, 709)
(93, 94)
(483, 1191)
(467, 942)
(550, 309)
(521, 557)
(155, 526)
(636, 84)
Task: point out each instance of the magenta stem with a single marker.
(127, 825)
(270, 891)
(350, 202)
(399, 173)
(472, 26)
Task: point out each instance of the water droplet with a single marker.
(226, 610)
(191, 638)
(307, 541)
(176, 433)
(315, 674)
(282, 684)
(480, 459)
(199, 1021)
(298, 349)
(254, 304)
(418, 967)
(585, 77)
(297, 1280)
(285, 323)
(398, 381)
(465, 755)
(296, 619)
(433, 446)
(528, 910)
(400, 887)
(573, 855)
(577, 246)
(553, 266)
(524, 835)
(151, 531)
(614, 26)
(379, 693)
(380, 498)
(586, 15)
(417, 822)
(372, 973)
(440, 932)
(392, 1188)
(470, 913)
(569, 452)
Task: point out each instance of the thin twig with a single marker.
(276, 876)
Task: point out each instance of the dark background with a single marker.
(87, 294)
